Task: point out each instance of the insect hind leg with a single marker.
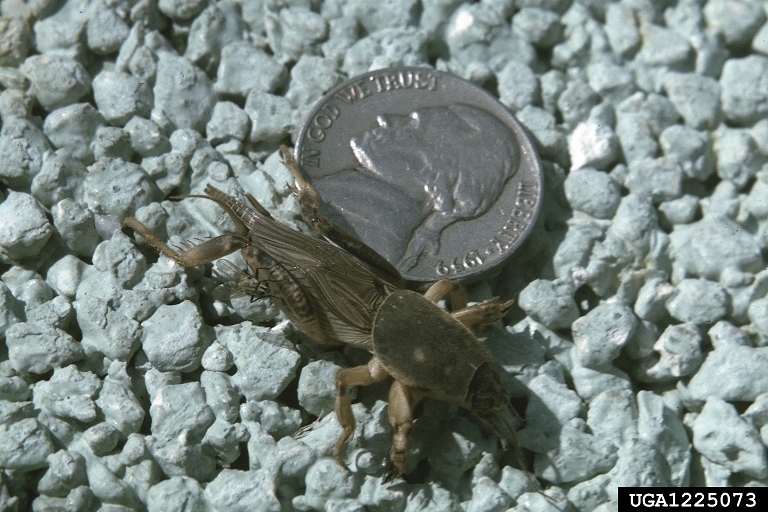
(193, 255)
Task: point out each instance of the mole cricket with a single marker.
(339, 291)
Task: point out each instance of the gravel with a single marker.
(638, 345)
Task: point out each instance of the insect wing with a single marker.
(237, 282)
(229, 290)
(229, 271)
(339, 282)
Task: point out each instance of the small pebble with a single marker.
(105, 32)
(550, 302)
(555, 404)
(711, 54)
(227, 122)
(181, 410)
(73, 127)
(15, 40)
(574, 51)
(679, 347)
(455, 451)
(552, 84)
(183, 93)
(682, 210)
(24, 445)
(600, 334)
(539, 26)
(22, 147)
(757, 201)
(744, 102)
(658, 423)
(147, 138)
(611, 81)
(26, 228)
(102, 438)
(732, 373)
(311, 77)
(76, 226)
(56, 81)
(373, 17)
(69, 394)
(34, 348)
(592, 192)
(518, 86)
(60, 177)
(14, 103)
(638, 465)
(758, 315)
(709, 246)
(245, 67)
(589, 383)
(698, 301)
(696, 98)
(549, 138)
(760, 41)
(326, 480)
(224, 439)
(221, 395)
(576, 102)
(621, 29)
(179, 489)
(175, 337)
(726, 439)
(118, 403)
(757, 413)
(120, 96)
(612, 415)
(738, 156)
(664, 47)
(266, 362)
(388, 47)
(737, 20)
(636, 137)
(593, 145)
(106, 487)
(66, 471)
(180, 10)
(112, 142)
(295, 31)
(217, 358)
(119, 188)
(317, 388)
(579, 456)
(488, 496)
(214, 28)
(590, 494)
(691, 148)
(724, 333)
(270, 116)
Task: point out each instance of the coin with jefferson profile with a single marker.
(428, 169)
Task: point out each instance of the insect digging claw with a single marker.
(390, 471)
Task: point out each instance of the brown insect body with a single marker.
(342, 292)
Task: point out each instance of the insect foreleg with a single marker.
(482, 314)
(478, 315)
(442, 288)
(402, 401)
(309, 204)
(346, 377)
